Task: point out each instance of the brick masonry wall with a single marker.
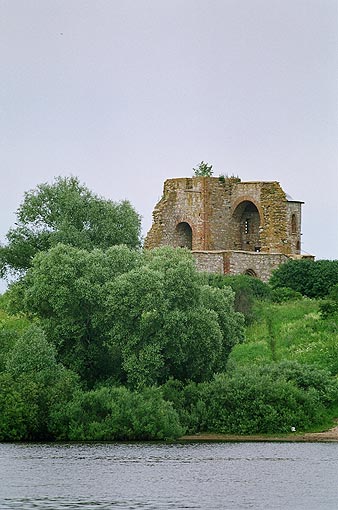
(215, 215)
(239, 262)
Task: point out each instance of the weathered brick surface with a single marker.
(239, 262)
(227, 222)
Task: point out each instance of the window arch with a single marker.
(246, 223)
(250, 272)
(183, 235)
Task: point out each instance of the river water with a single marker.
(169, 476)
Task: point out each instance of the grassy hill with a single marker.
(294, 331)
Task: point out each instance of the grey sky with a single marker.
(125, 94)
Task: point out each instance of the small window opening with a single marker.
(293, 224)
(250, 272)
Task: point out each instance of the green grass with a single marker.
(293, 331)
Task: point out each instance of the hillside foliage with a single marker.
(106, 343)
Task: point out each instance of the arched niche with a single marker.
(246, 222)
(250, 272)
(183, 235)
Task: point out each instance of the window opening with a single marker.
(293, 224)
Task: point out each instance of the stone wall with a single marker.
(230, 225)
(260, 265)
(226, 215)
(294, 221)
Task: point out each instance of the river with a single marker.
(169, 476)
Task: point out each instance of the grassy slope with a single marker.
(290, 331)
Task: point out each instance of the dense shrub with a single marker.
(190, 403)
(270, 399)
(246, 288)
(329, 307)
(282, 294)
(116, 413)
(256, 399)
(250, 402)
(32, 383)
(311, 278)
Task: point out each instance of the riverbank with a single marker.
(330, 435)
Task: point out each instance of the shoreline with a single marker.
(330, 436)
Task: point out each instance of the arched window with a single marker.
(183, 235)
(293, 224)
(250, 272)
(246, 222)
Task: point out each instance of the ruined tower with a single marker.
(230, 226)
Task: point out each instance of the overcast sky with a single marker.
(127, 93)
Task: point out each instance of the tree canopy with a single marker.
(138, 318)
(66, 212)
(312, 278)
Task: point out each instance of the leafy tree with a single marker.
(33, 383)
(311, 278)
(31, 354)
(246, 288)
(167, 323)
(136, 318)
(203, 170)
(67, 289)
(66, 212)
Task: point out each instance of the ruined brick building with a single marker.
(232, 227)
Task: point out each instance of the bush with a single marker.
(329, 307)
(269, 399)
(314, 279)
(116, 413)
(16, 415)
(256, 399)
(282, 294)
(31, 385)
(189, 402)
(247, 289)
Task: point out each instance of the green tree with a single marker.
(311, 278)
(31, 386)
(31, 354)
(167, 323)
(66, 212)
(203, 170)
(247, 291)
(135, 318)
(67, 289)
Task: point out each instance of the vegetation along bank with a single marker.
(100, 340)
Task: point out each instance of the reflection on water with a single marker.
(162, 476)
